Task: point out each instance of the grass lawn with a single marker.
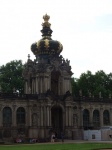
(56, 146)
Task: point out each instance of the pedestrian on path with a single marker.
(52, 137)
(62, 137)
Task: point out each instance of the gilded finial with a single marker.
(46, 18)
(46, 23)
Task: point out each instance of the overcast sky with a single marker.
(84, 27)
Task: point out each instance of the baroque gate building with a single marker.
(48, 104)
(49, 77)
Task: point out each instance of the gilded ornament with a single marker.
(46, 18)
(38, 44)
(46, 43)
(60, 46)
(46, 23)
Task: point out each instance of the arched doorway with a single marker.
(57, 120)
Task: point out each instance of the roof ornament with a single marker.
(46, 46)
(46, 19)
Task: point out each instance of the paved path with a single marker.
(85, 141)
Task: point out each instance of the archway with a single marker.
(57, 120)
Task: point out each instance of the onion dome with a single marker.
(46, 45)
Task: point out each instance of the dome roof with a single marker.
(46, 45)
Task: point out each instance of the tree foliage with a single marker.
(93, 84)
(11, 79)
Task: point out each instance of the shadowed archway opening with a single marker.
(57, 120)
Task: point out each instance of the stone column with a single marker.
(67, 116)
(37, 90)
(59, 87)
(14, 116)
(47, 115)
(36, 85)
(41, 109)
(49, 83)
(45, 112)
(91, 117)
(28, 115)
(70, 115)
(50, 116)
(81, 117)
(26, 87)
(45, 84)
(64, 86)
(32, 86)
(101, 117)
(41, 85)
(64, 119)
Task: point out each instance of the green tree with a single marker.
(101, 83)
(75, 88)
(109, 83)
(90, 84)
(86, 83)
(11, 79)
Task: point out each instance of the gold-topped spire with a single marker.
(46, 23)
(46, 46)
(46, 18)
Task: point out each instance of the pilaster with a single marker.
(14, 115)
(101, 117)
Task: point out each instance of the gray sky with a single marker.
(84, 27)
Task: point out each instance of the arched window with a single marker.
(85, 119)
(7, 116)
(20, 115)
(106, 117)
(96, 118)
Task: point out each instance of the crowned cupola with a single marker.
(46, 46)
(49, 71)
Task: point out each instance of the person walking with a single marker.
(52, 137)
(62, 137)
